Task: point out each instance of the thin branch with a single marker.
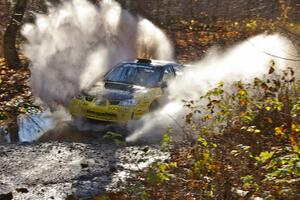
(273, 55)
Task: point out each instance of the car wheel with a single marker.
(154, 106)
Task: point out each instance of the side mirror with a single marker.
(164, 85)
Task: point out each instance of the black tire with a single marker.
(154, 106)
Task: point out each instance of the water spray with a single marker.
(244, 62)
(75, 44)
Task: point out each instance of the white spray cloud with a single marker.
(76, 43)
(244, 62)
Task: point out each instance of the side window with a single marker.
(168, 73)
(178, 69)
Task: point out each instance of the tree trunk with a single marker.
(1, 45)
(10, 35)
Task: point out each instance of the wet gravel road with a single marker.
(55, 170)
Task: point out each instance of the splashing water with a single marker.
(244, 62)
(72, 47)
(75, 44)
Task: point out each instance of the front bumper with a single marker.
(107, 112)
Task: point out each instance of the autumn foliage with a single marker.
(247, 145)
(247, 133)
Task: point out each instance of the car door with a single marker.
(169, 74)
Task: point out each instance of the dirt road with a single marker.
(55, 170)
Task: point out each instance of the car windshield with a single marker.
(136, 74)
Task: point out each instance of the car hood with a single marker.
(115, 94)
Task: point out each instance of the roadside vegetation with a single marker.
(193, 38)
(247, 142)
(247, 146)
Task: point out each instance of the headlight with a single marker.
(128, 102)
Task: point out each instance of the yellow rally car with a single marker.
(130, 90)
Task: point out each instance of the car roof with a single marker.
(150, 63)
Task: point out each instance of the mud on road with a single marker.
(59, 165)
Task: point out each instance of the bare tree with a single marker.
(5, 12)
(10, 35)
